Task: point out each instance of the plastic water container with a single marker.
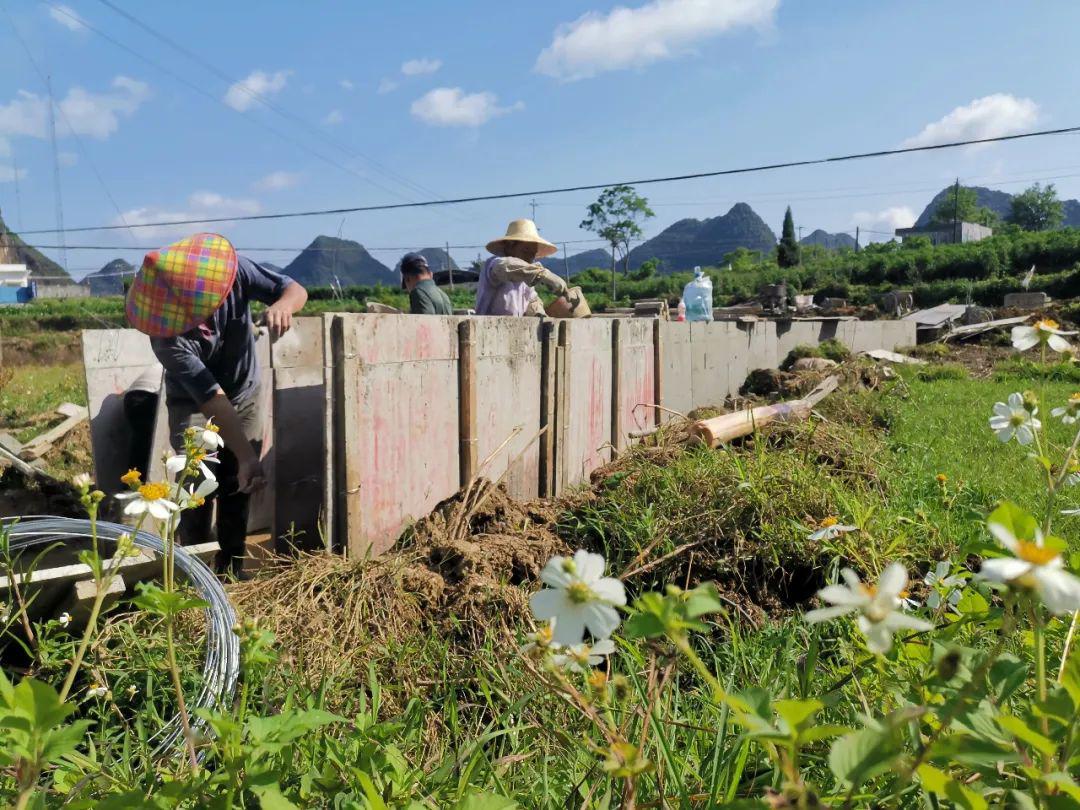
(698, 297)
(681, 311)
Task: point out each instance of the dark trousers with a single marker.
(196, 525)
(140, 408)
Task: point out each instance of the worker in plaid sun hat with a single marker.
(193, 299)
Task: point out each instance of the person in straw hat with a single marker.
(509, 276)
(192, 298)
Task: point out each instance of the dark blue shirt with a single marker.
(220, 353)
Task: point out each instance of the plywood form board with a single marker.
(637, 377)
(585, 432)
(508, 368)
(761, 350)
(298, 360)
(112, 360)
(676, 373)
(710, 356)
(790, 334)
(399, 402)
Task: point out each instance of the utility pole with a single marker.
(956, 209)
(449, 265)
(56, 177)
(532, 204)
(856, 238)
(800, 245)
(18, 201)
(565, 264)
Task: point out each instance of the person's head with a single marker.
(522, 241)
(526, 251)
(414, 269)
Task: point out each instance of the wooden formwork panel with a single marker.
(299, 436)
(507, 358)
(396, 413)
(112, 360)
(761, 350)
(584, 394)
(634, 392)
(711, 353)
(676, 368)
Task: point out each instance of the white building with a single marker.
(14, 275)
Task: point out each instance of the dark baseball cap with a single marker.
(413, 264)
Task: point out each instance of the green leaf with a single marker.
(967, 750)
(815, 733)
(1019, 729)
(1007, 674)
(703, 599)
(1070, 679)
(643, 625)
(154, 599)
(1064, 783)
(861, 756)
(972, 602)
(477, 800)
(796, 712)
(40, 704)
(940, 783)
(271, 798)
(1015, 520)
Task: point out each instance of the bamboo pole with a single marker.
(721, 429)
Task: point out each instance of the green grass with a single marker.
(36, 391)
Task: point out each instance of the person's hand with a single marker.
(251, 477)
(278, 320)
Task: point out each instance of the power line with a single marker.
(586, 187)
(281, 249)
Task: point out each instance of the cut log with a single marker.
(721, 429)
(42, 443)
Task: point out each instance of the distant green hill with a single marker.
(109, 280)
(1000, 202)
(329, 261)
(691, 242)
(41, 267)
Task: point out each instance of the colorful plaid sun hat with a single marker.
(180, 286)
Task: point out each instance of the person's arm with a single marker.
(283, 296)
(279, 314)
(250, 476)
(507, 268)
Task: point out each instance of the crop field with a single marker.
(429, 678)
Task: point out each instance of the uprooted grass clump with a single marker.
(454, 580)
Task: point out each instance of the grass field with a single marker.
(430, 709)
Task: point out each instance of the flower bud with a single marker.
(620, 684)
(1031, 401)
(948, 665)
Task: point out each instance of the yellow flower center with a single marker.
(598, 680)
(543, 635)
(1046, 324)
(153, 492)
(1018, 418)
(942, 478)
(579, 593)
(131, 477)
(197, 457)
(1035, 554)
(212, 427)
(868, 590)
(829, 522)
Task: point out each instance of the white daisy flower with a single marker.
(1013, 419)
(878, 606)
(82, 481)
(152, 498)
(65, 619)
(580, 597)
(209, 437)
(1045, 331)
(1035, 567)
(197, 461)
(582, 657)
(1070, 412)
(941, 581)
(193, 498)
(132, 691)
(97, 691)
(829, 528)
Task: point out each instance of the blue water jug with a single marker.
(697, 295)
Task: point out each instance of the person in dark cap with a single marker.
(424, 297)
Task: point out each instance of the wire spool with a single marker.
(222, 666)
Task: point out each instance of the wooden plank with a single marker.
(676, 368)
(658, 372)
(508, 404)
(42, 443)
(299, 441)
(546, 460)
(561, 407)
(80, 600)
(348, 467)
(329, 496)
(400, 422)
(467, 427)
(616, 385)
(587, 433)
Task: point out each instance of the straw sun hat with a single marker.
(522, 230)
(178, 287)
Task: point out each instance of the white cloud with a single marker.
(278, 181)
(420, 67)
(94, 114)
(387, 86)
(67, 159)
(986, 117)
(200, 205)
(67, 17)
(452, 107)
(345, 84)
(7, 173)
(243, 95)
(885, 222)
(635, 37)
(333, 118)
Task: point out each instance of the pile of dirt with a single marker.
(456, 575)
(20, 496)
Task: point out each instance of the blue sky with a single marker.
(378, 103)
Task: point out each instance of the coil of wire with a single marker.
(222, 665)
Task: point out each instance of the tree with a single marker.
(1037, 208)
(614, 217)
(961, 204)
(787, 252)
